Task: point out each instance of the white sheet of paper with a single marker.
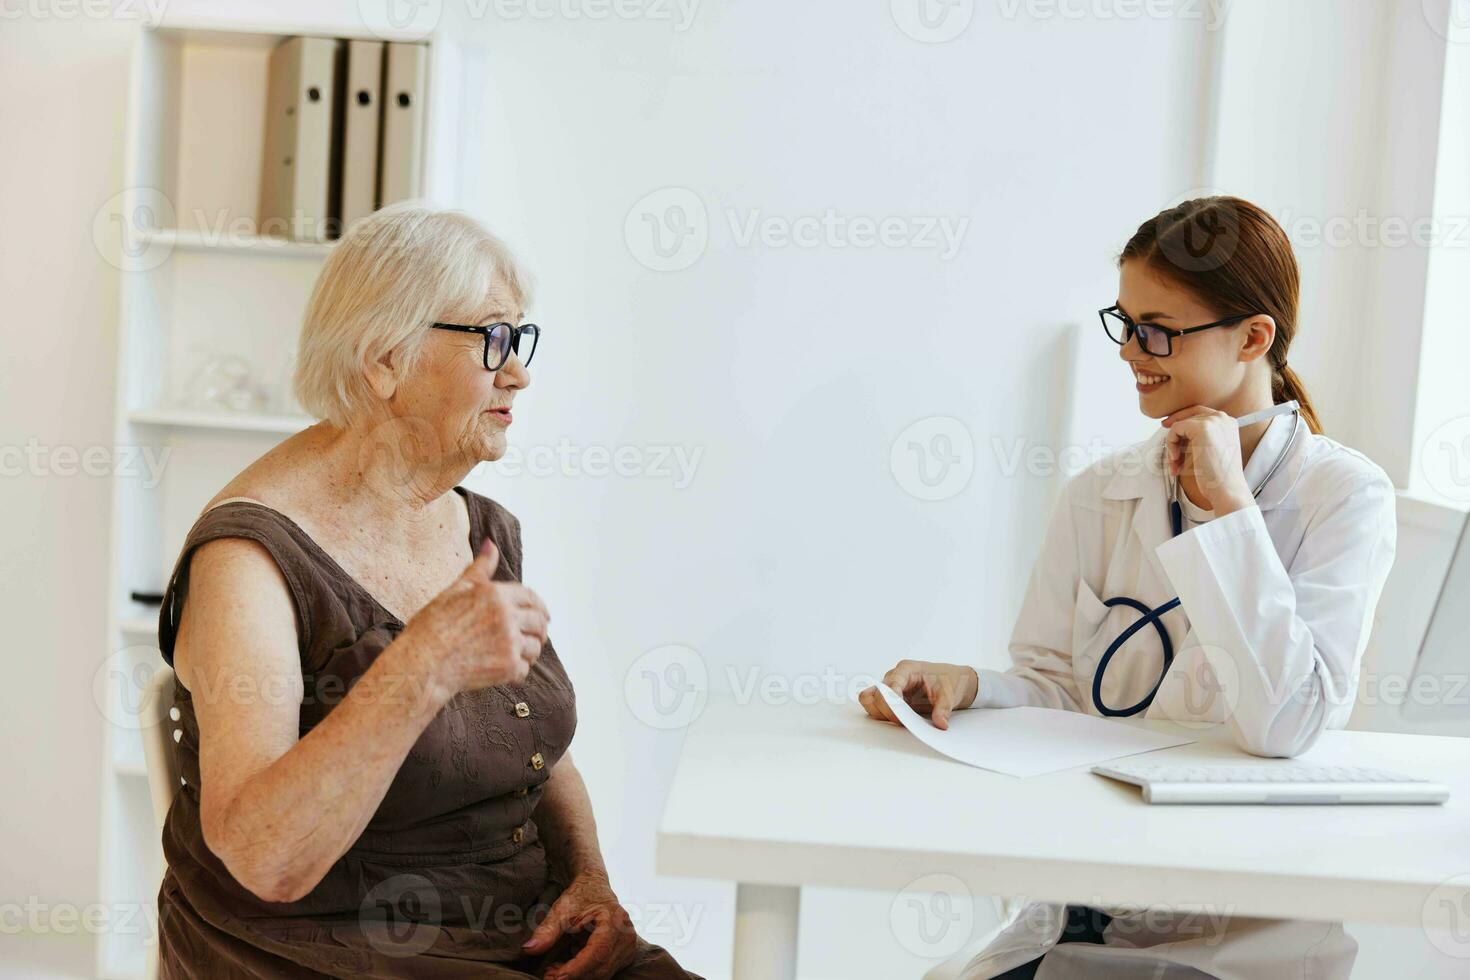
(1029, 741)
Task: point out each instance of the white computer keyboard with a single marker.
(1272, 782)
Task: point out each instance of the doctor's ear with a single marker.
(1257, 335)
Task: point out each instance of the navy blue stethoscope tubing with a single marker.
(1153, 617)
(1150, 617)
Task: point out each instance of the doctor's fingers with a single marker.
(929, 688)
(1193, 411)
(906, 677)
(1176, 451)
(942, 697)
(1210, 446)
(1183, 437)
(875, 706)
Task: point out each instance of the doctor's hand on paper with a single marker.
(930, 689)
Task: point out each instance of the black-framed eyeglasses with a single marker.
(1152, 338)
(500, 340)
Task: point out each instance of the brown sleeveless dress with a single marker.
(450, 876)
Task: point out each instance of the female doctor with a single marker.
(1213, 574)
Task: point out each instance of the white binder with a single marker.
(296, 165)
(405, 80)
(363, 113)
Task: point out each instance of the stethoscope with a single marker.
(1152, 617)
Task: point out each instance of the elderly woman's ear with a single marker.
(382, 375)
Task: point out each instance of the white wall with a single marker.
(797, 550)
(1442, 420)
(61, 120)
(1300, 122)
(1330, 117)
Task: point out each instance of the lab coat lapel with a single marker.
(1134, 570)
(1268, 450)
(1140, 478)
(1152, 527)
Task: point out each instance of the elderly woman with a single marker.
(372, 724)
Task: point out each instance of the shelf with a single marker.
(193, 140)
(236, 244)
(238, 32)
(139, 626)
(183, 418)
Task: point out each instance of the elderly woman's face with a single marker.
(467, 406)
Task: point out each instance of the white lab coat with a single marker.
(1277, 604)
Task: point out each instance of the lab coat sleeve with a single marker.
(1041, 642)
(1294, 635)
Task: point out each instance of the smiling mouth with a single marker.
(1148, 382)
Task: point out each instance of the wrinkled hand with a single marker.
(1206, 443)
(930, 689)
(480, 632)
(589, 906)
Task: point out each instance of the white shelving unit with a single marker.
(193, 284)
(183, 418)
(196, 240)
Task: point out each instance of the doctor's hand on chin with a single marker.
(1203, 448)
(930, 689)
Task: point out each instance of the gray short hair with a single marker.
(392, 274)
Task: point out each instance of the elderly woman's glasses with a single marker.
(500, 340)
(1152, 338)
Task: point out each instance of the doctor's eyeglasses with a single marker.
(1152, 338)
(500, 340)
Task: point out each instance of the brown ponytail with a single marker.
(1286, 386)
(1236, 259)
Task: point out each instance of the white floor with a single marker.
(1402, 952)
(1383, 952)
(27, 956)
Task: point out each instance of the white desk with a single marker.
(776, 797)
